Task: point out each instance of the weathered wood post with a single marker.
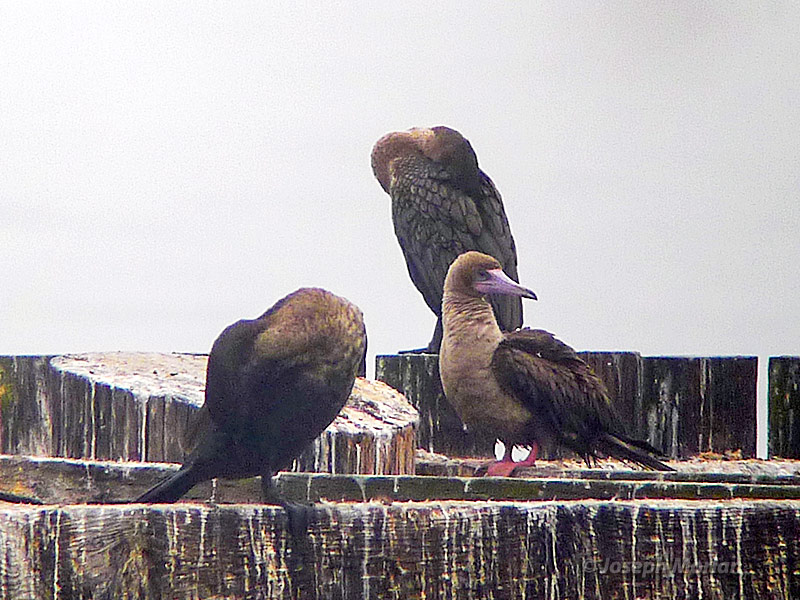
(588, 550)
(728, 416)
(141, 406)
(681, 405)
(784, 406)
(716, 529)
(699, 404)
(416, 376)
(622, 374)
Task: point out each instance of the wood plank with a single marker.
(672, 402)
(58, 480)
(622, 374)
(729, 418)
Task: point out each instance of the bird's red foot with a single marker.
(505, 467)
(501, 468)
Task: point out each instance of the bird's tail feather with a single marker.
(640, 453)
(173, 487)
(641, 444)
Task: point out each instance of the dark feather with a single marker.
(551, 380)
(272, 385)
(442, 206)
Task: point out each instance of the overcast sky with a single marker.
(169, 168)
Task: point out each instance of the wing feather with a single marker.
(549, 378)
(435, 221)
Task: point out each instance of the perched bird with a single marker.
(442, 206)
(524, 387)
(273, 384)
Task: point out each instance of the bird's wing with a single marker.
(429, 235)
(549, 378)
(435, 221)
(226, 386)
(251, 366)
(496, 240)
(281, 369)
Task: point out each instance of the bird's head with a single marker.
(442, 145)
(453, 151)
(394, 145)
(477, 274)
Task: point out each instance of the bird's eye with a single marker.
(482, 276)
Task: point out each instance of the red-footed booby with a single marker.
(525, 387)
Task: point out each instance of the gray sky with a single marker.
(166, 169)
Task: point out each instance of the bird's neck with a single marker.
(469, 320)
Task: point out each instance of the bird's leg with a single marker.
(269, 491)
(506, 466)
(297, 514)
(436, 340)
(530, 460)
(301, 555)
(503, 467)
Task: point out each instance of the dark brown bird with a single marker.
(273, 384)
(524, 387)
(442, 206)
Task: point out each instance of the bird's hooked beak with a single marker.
(497, 282)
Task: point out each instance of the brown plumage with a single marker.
(273, 384)
(442, 206)
(524, 387)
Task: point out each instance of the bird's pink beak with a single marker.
(498, 282)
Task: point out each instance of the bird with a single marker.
(443, 204)
(524, 387)
(273, 384)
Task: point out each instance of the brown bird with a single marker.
(273, 384)
(524, 387)
(442, 206)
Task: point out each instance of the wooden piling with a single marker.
(142, 406)
(784, 406)
(440, 430)
(595, 534)
(587, 550)
(681, 405)
(716, 529)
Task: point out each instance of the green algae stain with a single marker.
(8, 392)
